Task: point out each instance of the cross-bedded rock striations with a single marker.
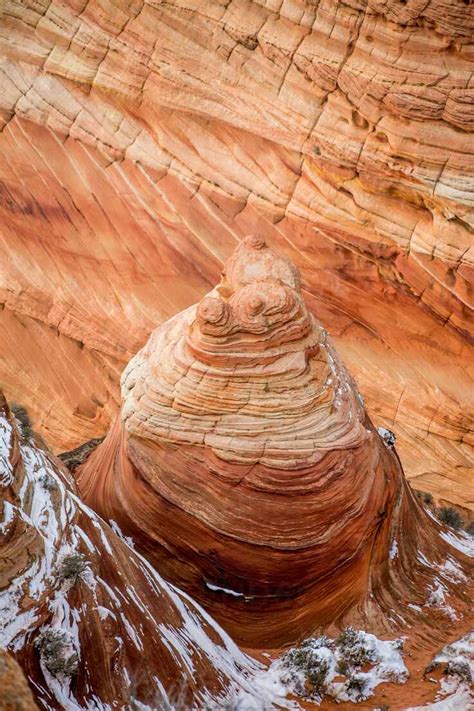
(141, 140)
(246, 469)
(88, 619)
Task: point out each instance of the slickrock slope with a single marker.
(140, 140)
(244, 466)
(88, 620)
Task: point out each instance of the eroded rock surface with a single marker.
(142, 140)
(15, 694)
(91, 624)
(246, 469)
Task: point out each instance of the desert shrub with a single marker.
(75, 457)
(343, 667)
(72, 566)
(347, 638)
(52, 646)
(23, 418)
(449, 516)
(427, 498)
(352, 649)
(305, 662)
(317, 674)
(356, 686)
(317, 643)
(48, 482)
(459, 668)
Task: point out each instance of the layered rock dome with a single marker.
(140, 141)
(246, 469)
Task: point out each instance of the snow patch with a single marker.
(437, 598)
(455, 692)
(52, 511)
(451, 570)
(460, 540)
(424, 560)
(118, 531)
(6, 467)
(460, 700)
(216, 588)
(389, 438)
(325, 667)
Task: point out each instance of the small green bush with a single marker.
(72, 566)
(356, 686)
(305, 659)
(347, 638)
(48, 482)
(23, 418)
(449, 516)
(317, 674)
(317, 643)
(52, 645)
(352, 650)
(459, 668)
(343, 667)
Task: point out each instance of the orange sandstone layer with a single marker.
(244, 466)
(140, 141)
(91, 624)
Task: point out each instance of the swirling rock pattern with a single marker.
(247, 374)
(142, 140)
(91, 624)
(245, 467)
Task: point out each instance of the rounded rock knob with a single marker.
(254, 242)
(255, 305)
(211, 310)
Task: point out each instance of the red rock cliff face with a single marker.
(246, 469)
(142, 140)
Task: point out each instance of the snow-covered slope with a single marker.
(91, 623)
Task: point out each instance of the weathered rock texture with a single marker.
(90, 622)
(15, 694)
(141, 140)
(244, 466)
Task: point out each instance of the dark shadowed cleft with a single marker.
(75, 457)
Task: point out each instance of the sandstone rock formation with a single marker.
(15, 694)
(89, 621)
(246, 469)
(141, 140)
